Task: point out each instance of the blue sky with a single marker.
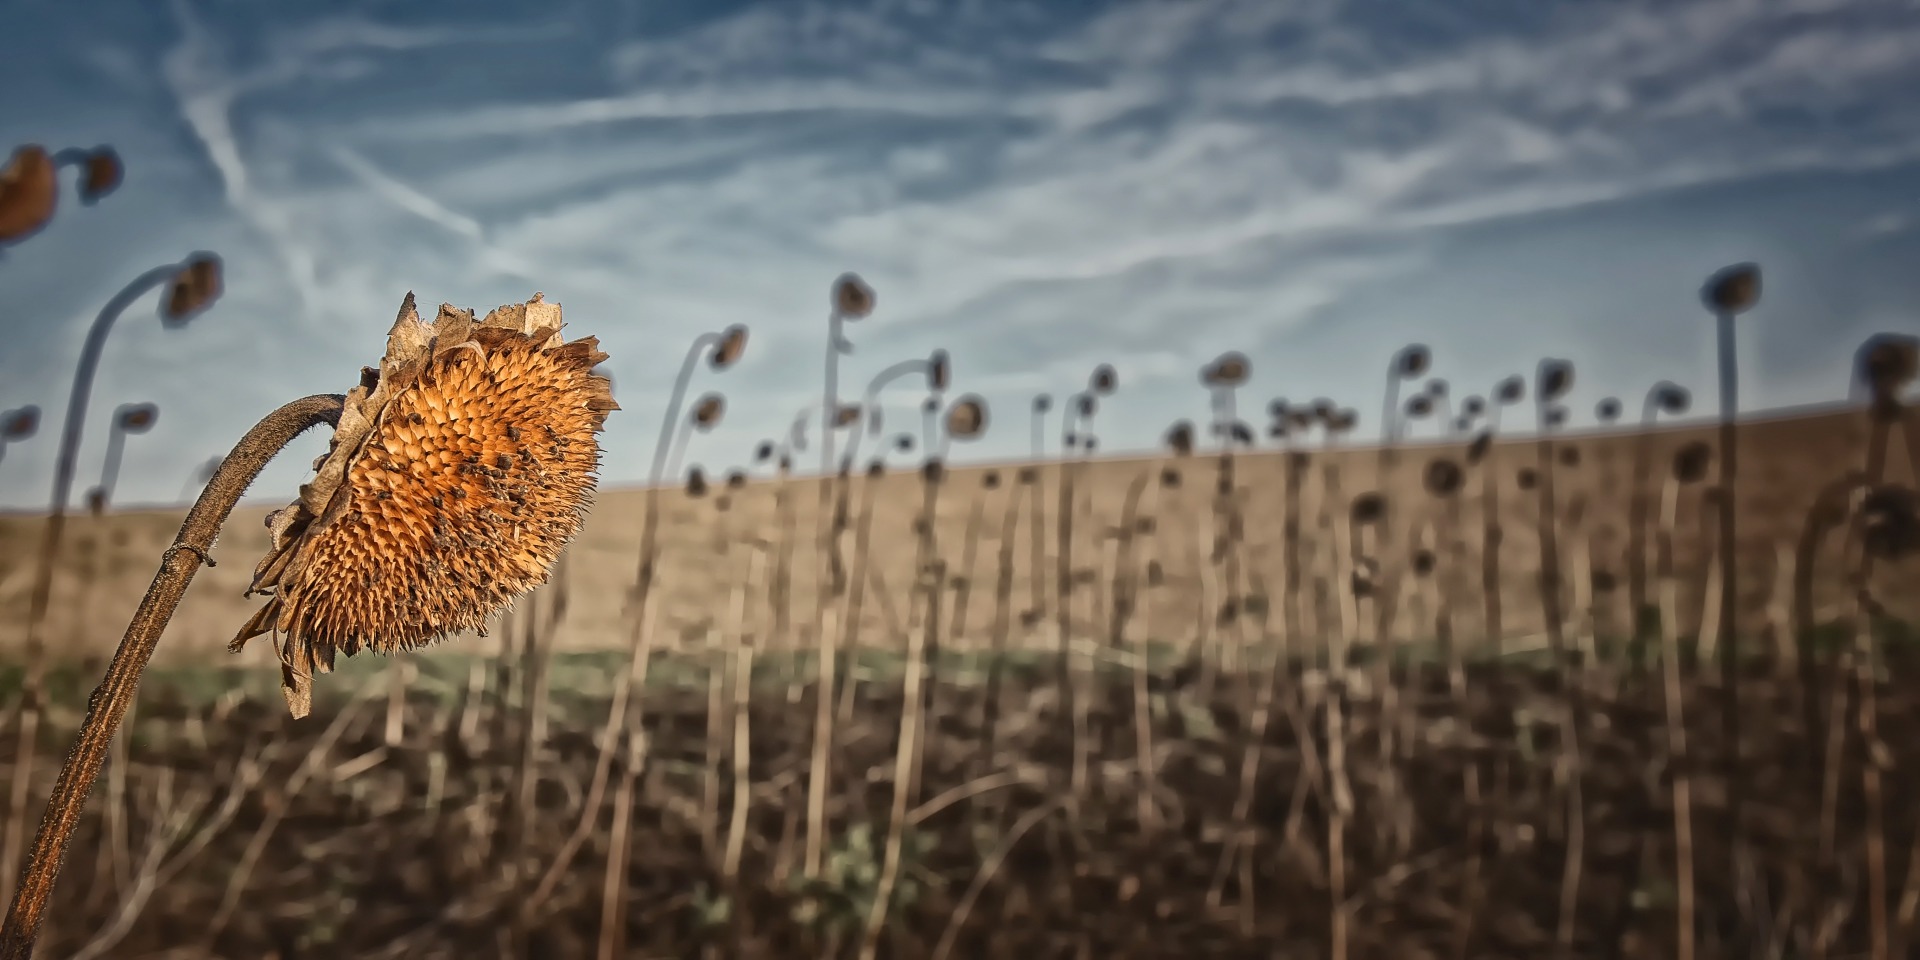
(1036, 187)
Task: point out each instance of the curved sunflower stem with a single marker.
(117, 689)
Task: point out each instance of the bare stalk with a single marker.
(118, 688)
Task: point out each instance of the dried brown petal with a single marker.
(454, 478)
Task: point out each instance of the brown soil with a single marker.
(369, 857)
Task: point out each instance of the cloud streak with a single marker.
(1039, 189)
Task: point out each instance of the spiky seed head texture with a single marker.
(458, 472)
(28, 191)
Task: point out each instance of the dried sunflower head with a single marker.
(458, 472)
(1180, 438)
(101, 174)
(28, 191)
(1732, 290)
(19, 423)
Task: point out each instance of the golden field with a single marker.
(707, 543)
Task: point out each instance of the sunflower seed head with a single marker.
(1443, 477)
(1888, 363)
(732, 345)
(1103, 381)
(1510, 390)
(1690, 462)
(1732, 290)
(939, 370)
(1180, 438)
(29, 189)
(1230, 369)
(708, 411)
(852, 298)
(967, 418)
(193, 290)
(426, 515)
(101, 175)
(137, 417)
(1412, 360)
(1369, 507)
(1477, 450)
(20, 423)
(1553, 379)
(1671, 398)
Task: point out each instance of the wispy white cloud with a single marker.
(1038, 190)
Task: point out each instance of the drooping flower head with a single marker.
(458, 472)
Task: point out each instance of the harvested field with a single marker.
(244, 834)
